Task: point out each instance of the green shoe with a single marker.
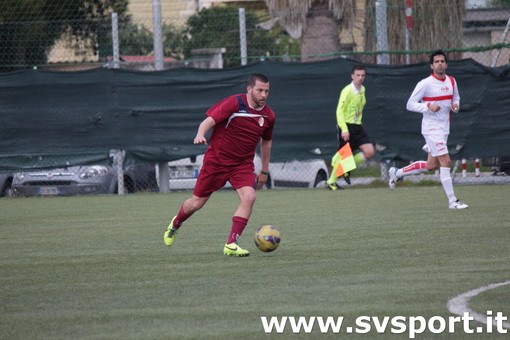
(233, 249)
(170, 232)
(331, 186)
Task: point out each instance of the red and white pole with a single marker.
(477, 167)
(464, 167)
(409, 26)
(409, 14)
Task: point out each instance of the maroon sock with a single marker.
(181, 217)
(238, 225)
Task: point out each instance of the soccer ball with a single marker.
(267, 238)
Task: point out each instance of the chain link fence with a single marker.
(70, 35)
(67, 35)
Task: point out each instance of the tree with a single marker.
(29, 28)
(218, 27)
(173, 41)
(135, 40)
(437, 24)
(139, 40)
(317, 22)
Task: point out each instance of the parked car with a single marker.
(312, 173)
(5, 184)
(83, 180)
(500, 164)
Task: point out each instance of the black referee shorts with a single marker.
(357, 136)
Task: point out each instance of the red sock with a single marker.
(238, 225)
(181, 217)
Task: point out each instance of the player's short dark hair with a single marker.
(435, 54)
(357, 68)
(257, 76)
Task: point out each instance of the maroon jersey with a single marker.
(238, 129)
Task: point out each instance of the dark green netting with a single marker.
(154, 115)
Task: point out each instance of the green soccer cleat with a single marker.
(331, 186)
(232, 249)
(169, 236)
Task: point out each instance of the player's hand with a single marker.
(434, 107)
(455, 108)
(200, 140)
(345, 136)
(261, 181)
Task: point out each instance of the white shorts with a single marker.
(436, 145)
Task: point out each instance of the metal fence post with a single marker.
(158, 64)
(384, 167)
(157, 28)
(242, 36)
(119, 155)
(115, 40)
(381, 20)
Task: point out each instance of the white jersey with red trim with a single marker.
(432, 90)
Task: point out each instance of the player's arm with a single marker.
(203, 128)
(341, 111)
(456, 98)
(415, 104)
(265, 155)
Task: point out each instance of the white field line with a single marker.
(459, 304)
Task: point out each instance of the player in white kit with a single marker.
(435, 97)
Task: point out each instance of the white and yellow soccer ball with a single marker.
(267, 238)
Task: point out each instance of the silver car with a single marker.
(82, 180)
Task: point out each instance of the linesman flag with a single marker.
(343, 161)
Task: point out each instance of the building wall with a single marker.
(485, 27)
(174, 12)
(68, 49)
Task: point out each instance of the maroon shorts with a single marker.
(213, 176)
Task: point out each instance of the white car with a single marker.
(311, 173)
(292, 174)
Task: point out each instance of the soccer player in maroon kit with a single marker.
(239, 123)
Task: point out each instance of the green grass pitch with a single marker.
(97, 268)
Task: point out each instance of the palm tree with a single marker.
(437, 24)
(317, 22)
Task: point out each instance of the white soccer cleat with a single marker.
(457, 205)
(393, 178)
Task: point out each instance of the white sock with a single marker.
(446, 181)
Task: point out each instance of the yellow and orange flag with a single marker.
(343, 161)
